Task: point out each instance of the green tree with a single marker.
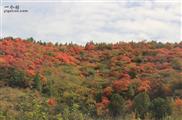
(30, 39)
(141, 104)
(160, 108)
(177, 63)
(116, 106)
(37, 81)
(131, 91)
(14, 77)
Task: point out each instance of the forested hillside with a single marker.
(98, 81)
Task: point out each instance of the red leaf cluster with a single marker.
(90, 46)
(51, 102)
(121, 85)
(108, 91)
(178, 102)
(144, 85)
(30, 56)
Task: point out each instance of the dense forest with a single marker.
(98, 81)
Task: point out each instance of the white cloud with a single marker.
(99, 21)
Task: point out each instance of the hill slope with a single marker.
(95, 81)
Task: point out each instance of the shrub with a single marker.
(102, 46)
(141, 104)
(72, 113)
(116, 106)
(14, 77)
(32, 108)
(37, 81)
(177, 64)
(160, 108)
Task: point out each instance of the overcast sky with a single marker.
(103, 21)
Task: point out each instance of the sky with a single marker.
(107, 21)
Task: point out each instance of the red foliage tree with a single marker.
(90, 46)
(144, 85)
(121, 85)
(30, 56)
